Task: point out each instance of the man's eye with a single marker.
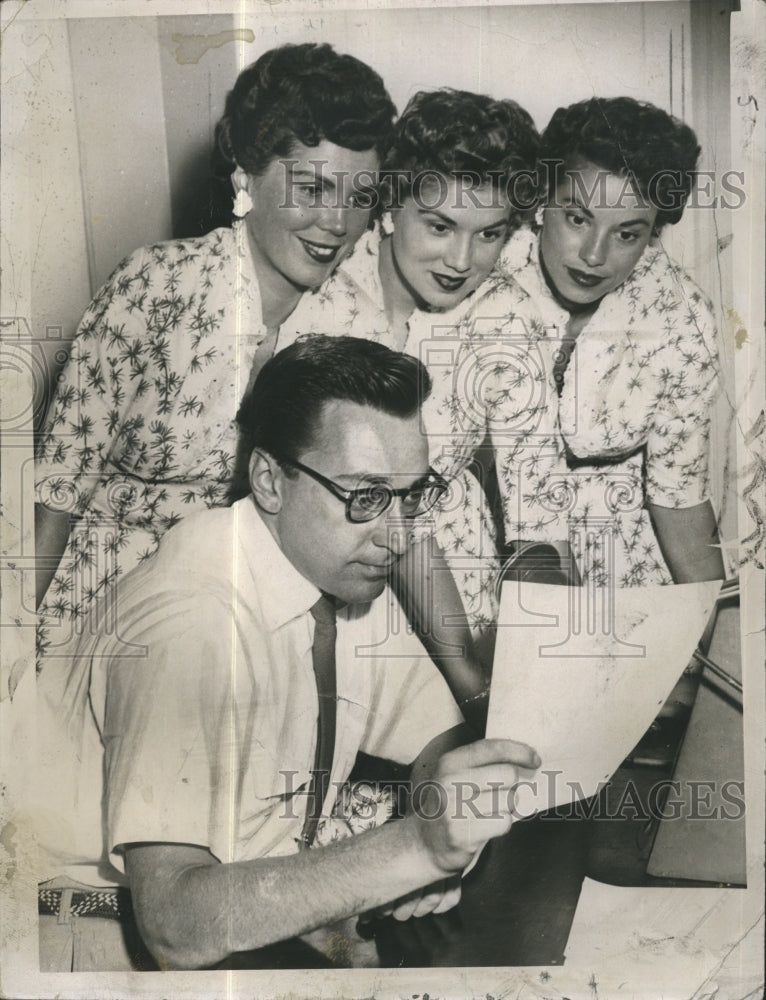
(439, 228)
(372, 498)
(412, 501)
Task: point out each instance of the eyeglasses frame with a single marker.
(347, 496)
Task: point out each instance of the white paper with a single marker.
(649, 928)
(580, 673)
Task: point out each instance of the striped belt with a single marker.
(113, 903)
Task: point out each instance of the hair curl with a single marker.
(301, 93)
(458, 133)
(284, 407)
(631, 139)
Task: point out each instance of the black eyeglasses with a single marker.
(371, 501)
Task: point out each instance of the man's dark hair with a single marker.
(631, 139)
(284, 407)
(301, 93)
(459, 133)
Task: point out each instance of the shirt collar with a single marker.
(282, 592)
(362, 266)
(246, 274)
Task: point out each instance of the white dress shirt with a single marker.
(205, 701)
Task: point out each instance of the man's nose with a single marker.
(393, 530)
(593, 248)
(459, 253)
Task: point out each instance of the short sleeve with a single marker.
(678, 445)
(169, 731)
(507, 355)
(106, 370)
(411, 703)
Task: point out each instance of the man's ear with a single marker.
(266, 477)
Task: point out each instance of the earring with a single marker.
(539, 217)
(242, 203)
(387, 223)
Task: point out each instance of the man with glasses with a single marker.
(257, 653)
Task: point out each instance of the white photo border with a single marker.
(645, 964)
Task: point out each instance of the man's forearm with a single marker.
(194, 911)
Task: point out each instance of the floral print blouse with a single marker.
(141, 430)
(633, 417)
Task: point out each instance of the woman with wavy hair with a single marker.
(632, 358)
(457, 180)
(141, 430)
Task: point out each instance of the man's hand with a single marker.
(436, 898)
(181, 892)
(468, 800)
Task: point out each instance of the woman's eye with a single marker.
(627, 236)
(436, 226)
(490, 235)
(364, 200)
(576, 220)
(312, 192)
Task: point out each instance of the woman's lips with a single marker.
(447, 282)
(323, 253)
(584, 279)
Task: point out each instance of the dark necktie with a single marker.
(323, 658)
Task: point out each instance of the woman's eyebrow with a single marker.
(326, 184)
(499, 223)
(313, 175)
(438, 214)
(574, 202)
(634, 222)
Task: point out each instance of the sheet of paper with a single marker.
(580, 673)
(703, 936)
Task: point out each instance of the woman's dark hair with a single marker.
(301, 93)
(457, 133)
(630, 138)
(284, 407)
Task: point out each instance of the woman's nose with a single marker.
(593, 248)
(334, 220)
(458, 255)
